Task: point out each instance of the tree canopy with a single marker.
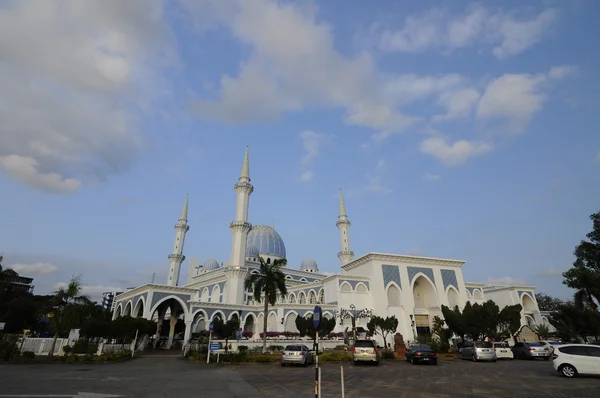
(478, 321)
(584, 275)
(383, 326)
(306, 326)
(547, 303)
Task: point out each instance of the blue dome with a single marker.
(252, 251)
(309, 263)
(267, 240)
(210, 265)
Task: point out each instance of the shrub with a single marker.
(340, 347)
(84, 346)
(28, 355)
(8, 348)
(243, 348)
(67, 349)
(234, 357)
(335, 355)
(275, 348)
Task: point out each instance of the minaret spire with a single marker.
(240, 226)
(343, 225)
(177, 257)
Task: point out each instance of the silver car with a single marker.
(478, 351)
(365, 351)
(296, 354)
(526, 350)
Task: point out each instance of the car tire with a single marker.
(567, 370)
(435, 362)
(474, 358)
(376, 363)
(412, 361)
(283, 365)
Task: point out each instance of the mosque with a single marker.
(412, 288)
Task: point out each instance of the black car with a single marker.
(421, 353)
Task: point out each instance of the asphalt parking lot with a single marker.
(175, 377)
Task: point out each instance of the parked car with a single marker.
(526, 350)
(478, 351)
(550, 344)
(365, 351)
(421, 353)
(503, 350)
(575, 359)
(296, 354)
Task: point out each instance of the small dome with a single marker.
(211, 264)
(309, 264)
(252, 251)
(267, 240)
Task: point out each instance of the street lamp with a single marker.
(354, 313)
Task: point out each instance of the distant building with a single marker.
(20, 283)
(108, 300)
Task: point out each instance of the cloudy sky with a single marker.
(460, 129)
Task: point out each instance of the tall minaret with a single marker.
(240, 226)
(343, 224)
(177, 257)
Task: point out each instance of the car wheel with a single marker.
(407, 360)
(474, 358)
(568, 370)
(412, 360)
(376, 363)
(282, 364)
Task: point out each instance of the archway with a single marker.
(301, 298)
(118, 311)
(292, 298)
(128, 309)
(170, 314)
(290, 323)
(426, 304)
(361, 288)
(312, 297)
(393, 295)
(139, 308)
(528, 303)
(249, 324)
(215, 296)
(272, 322)
(322, 296)
(453, 299)
(199, 323)
(205, 297)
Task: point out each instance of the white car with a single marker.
(571, 360)
(503, 351)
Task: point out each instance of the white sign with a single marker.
(2, 324)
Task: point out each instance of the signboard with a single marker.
(215, 346)
(211, 326)
(2, 324)
(317, 314)
(238, 335)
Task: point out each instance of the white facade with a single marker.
(412, 288)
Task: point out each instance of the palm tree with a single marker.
(542, 330)
(267, 283)
(65, 305)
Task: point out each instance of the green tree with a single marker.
(584, 276)
(442, 335)
(547, 303)
(269, 282)
(455, 321)
(226, 330)
(508, 322)
(383, 327)
(306, 326)
(65, 310)
(572, 321)
(542, 330)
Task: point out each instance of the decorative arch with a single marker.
(250, 323)
(272, 322)
(254, 272)
(169, 297)
(393, 295)
(321, 296)
(477, 294)
(345, 287)
(327, 315)
(292, 298)
(528, 303)
(530, 321)
(119, 310)
(290, 322)
(205, 295)
(361, 288)
(288, 277)
(128, 309)
(312, 297)
(218, 313)
(303, 280)
(453, 297)
(424, 292)
(140, 306)
(215, 295)
(199, 321)
(301, 298)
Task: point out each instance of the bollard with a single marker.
(342, 376)
(319, 382)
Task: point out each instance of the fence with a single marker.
(323, 344)
(41, 346)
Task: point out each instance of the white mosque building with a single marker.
(412, 288)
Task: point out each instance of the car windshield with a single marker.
(483, 344)
(500, 345)
(364, 343)
(293, 348)
(534, 344)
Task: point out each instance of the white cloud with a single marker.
(307, 176)
(73, 71)
(439, 29)
(506, 281)
(458, 103)
(455, 153)
(432, 177)
(375, 179)
(35, 269)
(518, 97)
(293, 65)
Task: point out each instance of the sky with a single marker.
(463, 130)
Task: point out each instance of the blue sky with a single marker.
(457, 129)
